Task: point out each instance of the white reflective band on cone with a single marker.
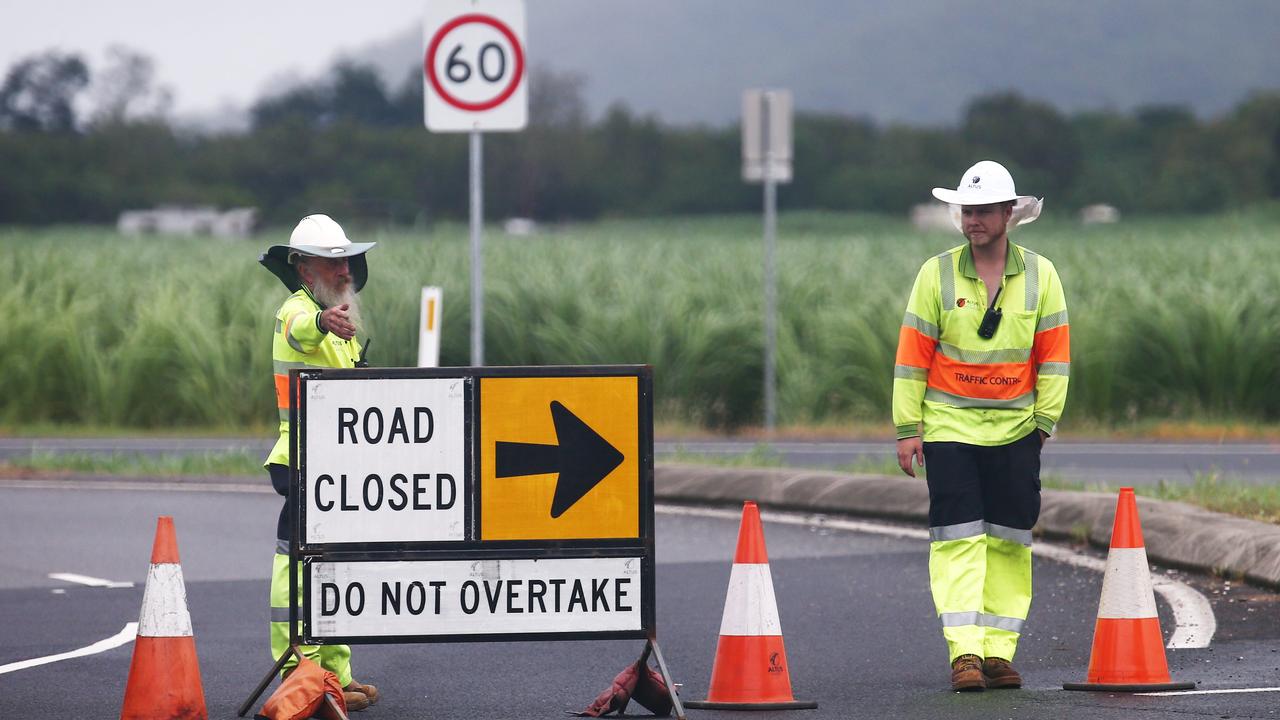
(164, 603)
(749, 606)
(1126, 585)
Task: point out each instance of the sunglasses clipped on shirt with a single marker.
(991, 319)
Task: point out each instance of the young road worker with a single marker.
(315, 327)
(980, 381)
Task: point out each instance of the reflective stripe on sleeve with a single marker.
(282, 547)
(279, 614)
(1054, 368)
(925, 327)
(288, 333)
(908, 372)
(960, 531)
(1052, 321)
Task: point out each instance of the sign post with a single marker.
(766, 157)
(474, 81)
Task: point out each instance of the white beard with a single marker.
(331, 296)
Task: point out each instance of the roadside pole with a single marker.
(770, 293)
(474, 81)
(766, 158)
(477, 254)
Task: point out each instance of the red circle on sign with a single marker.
(429, 63)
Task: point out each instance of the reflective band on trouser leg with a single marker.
(334, 658)
(957, 569)
(750, 629)
(1006, 597)
(1127, 640)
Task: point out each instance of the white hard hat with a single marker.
(317, 236)
(985, 183)
(320, 236)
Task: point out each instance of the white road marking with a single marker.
(90, 581)
(1194, 622)
(1210, 692)
(124, 637)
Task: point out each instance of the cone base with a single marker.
(1127, 687)
(792, 705)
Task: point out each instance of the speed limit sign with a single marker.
(474, 66)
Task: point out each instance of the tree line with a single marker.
(350, 145)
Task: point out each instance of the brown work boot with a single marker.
(966, 673)
(1000, 673)
(356, 701)
(370, 691)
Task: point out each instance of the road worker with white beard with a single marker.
(316, 327)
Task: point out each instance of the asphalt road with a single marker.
(1118, 463)
(856, 615)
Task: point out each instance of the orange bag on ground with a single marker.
(301, 695)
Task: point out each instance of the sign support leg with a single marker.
(676, 706)
(262, 686)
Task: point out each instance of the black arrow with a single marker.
(582, 458)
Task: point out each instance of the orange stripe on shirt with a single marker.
(993, 381)
(1052, 345)
(282, 391)
(915, 348)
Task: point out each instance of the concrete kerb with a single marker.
(1176, 534)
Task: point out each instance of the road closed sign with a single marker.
(437, 504)
(474, 67)
(386, 461)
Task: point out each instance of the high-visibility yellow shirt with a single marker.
(300, 343)
(965, 388)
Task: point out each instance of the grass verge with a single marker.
(237, 463)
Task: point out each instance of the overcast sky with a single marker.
(208, 53)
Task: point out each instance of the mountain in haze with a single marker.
(912, 61)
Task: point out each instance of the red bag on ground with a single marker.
(652, 692)
(644, 685)
(616, 697)
(301, 695)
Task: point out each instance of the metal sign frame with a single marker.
(472, 547)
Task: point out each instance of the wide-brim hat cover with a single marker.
(985, 183)
(317, 236)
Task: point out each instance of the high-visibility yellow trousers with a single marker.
(983, 502)
(334, 658)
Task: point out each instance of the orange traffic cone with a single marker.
(750, 670)
(164, 677)
(1128, 650)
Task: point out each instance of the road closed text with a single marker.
(385, 460)
(463, 597)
